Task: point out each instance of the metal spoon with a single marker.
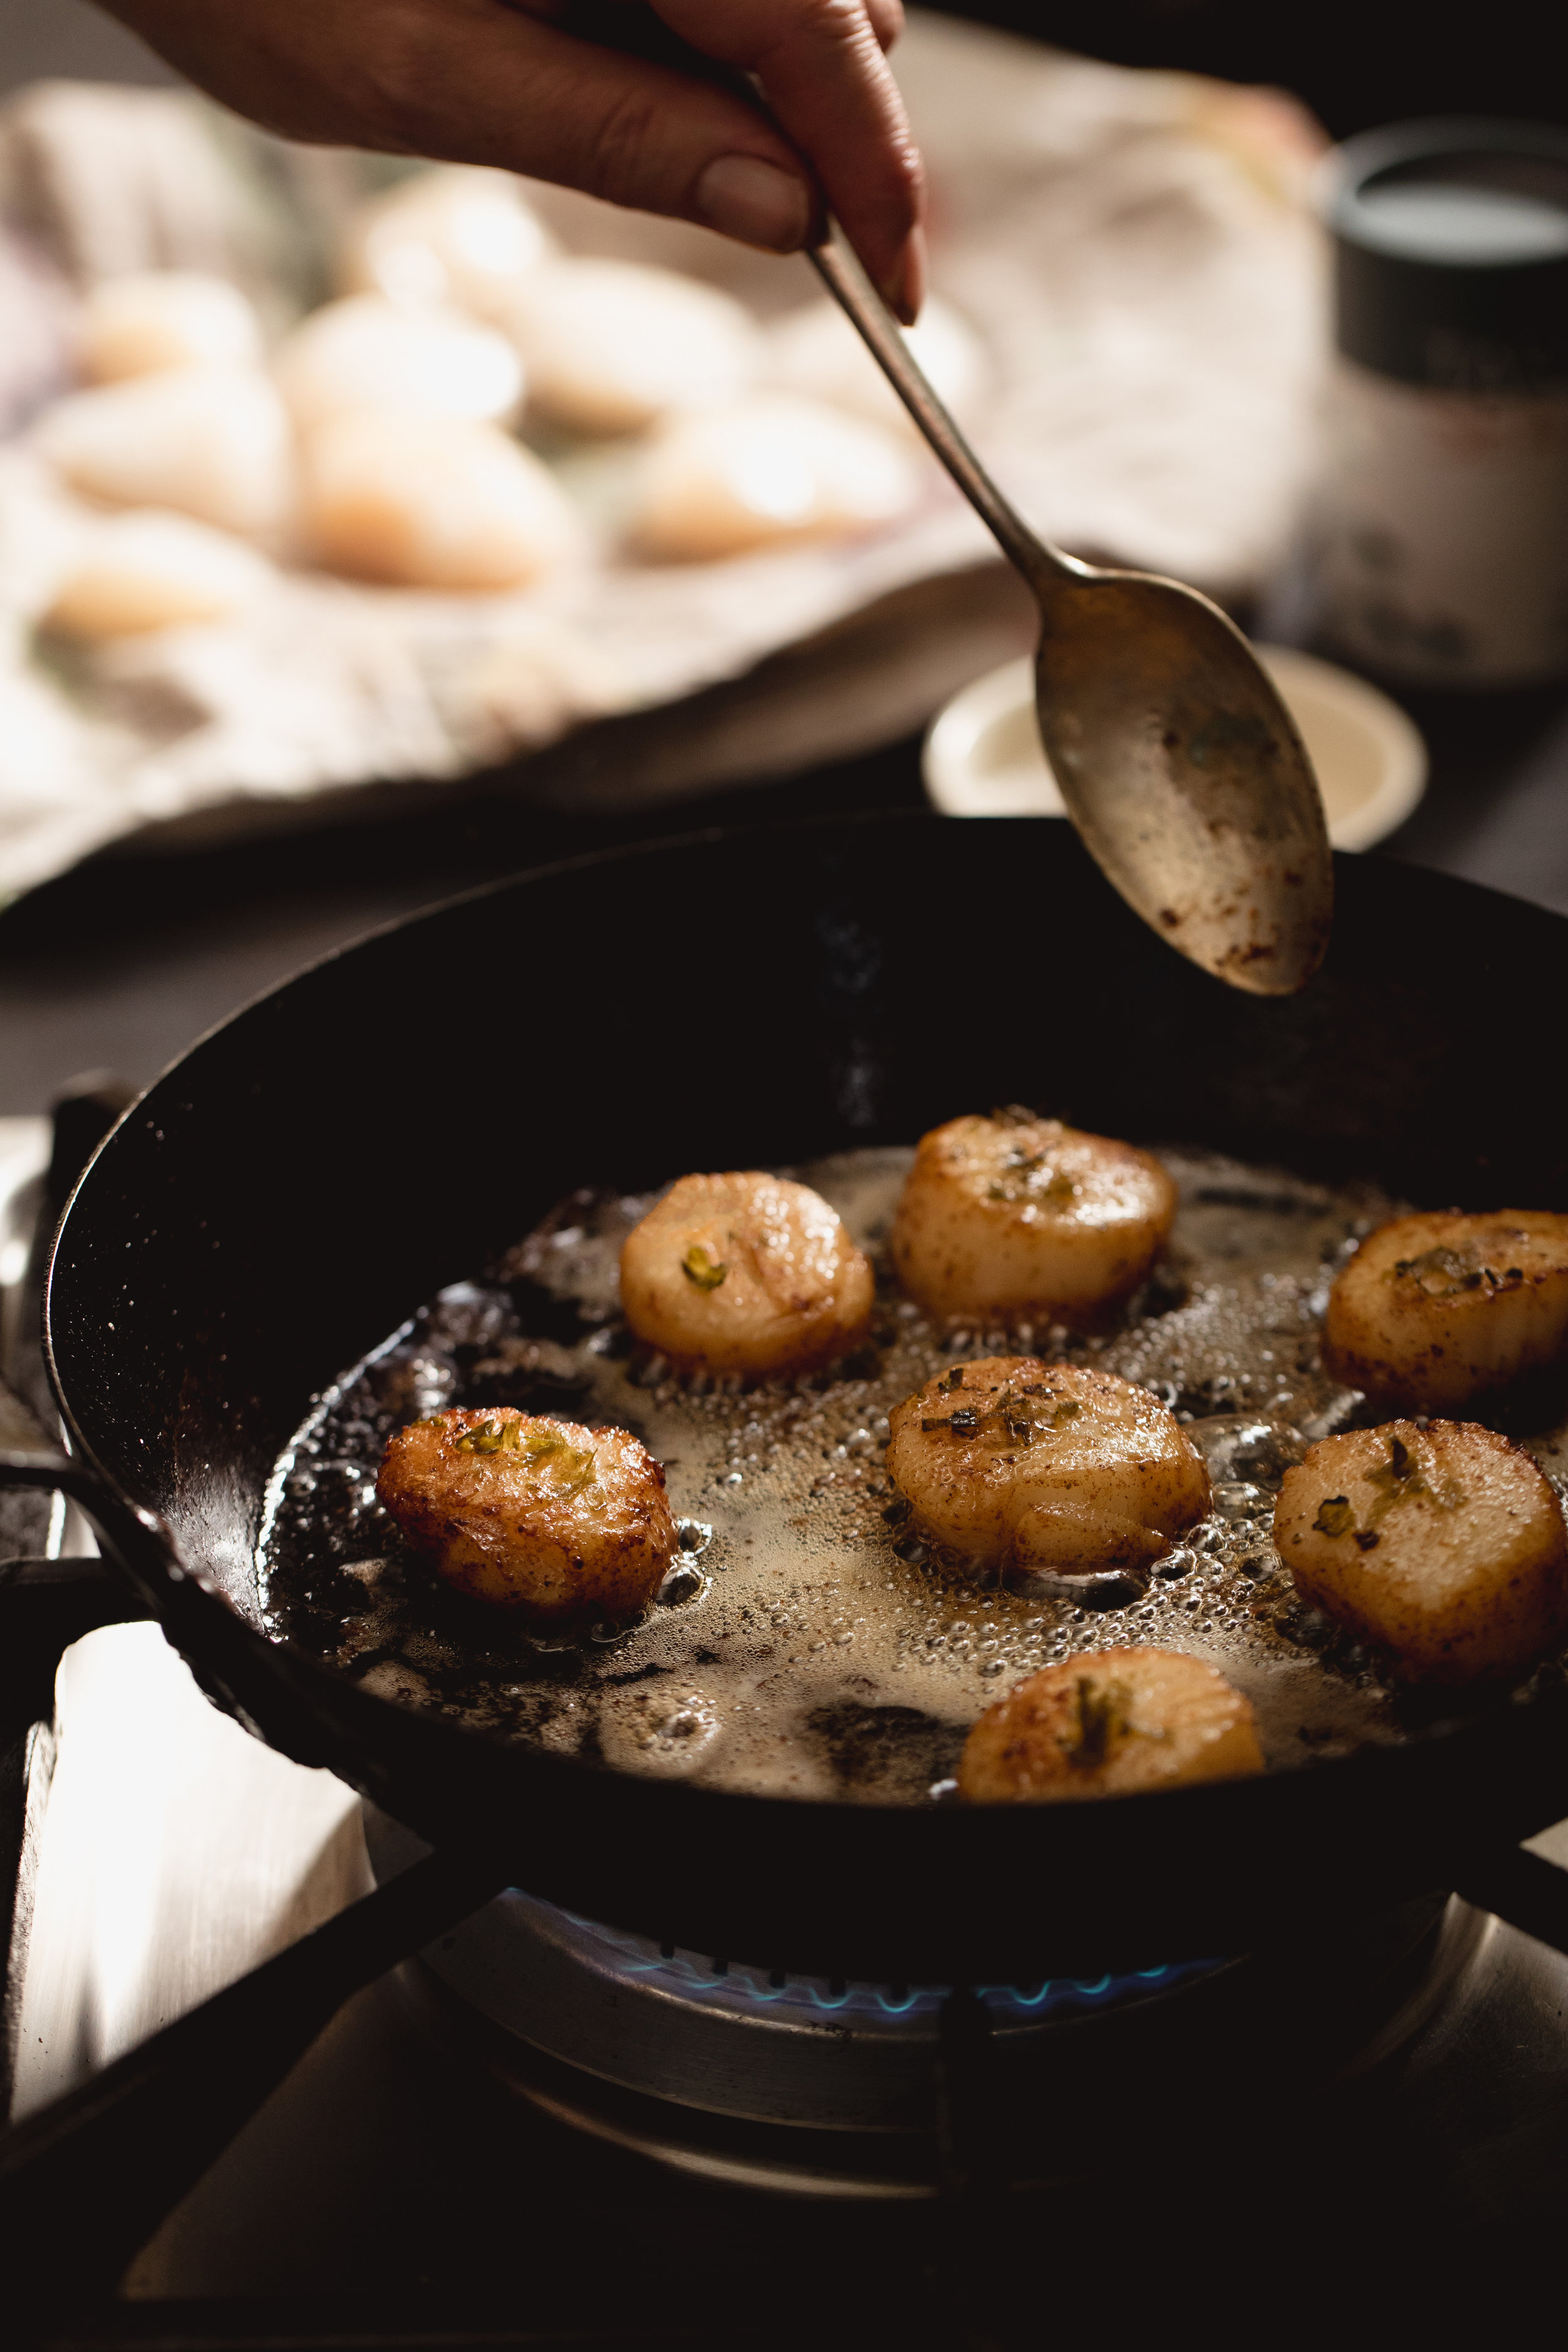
(1180, 766)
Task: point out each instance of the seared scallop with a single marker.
(461, 234)
(212, 442)
(432, 502)
(815, 352)
(762, 473)
(1021, 1464)
(1437, 1308)
(545, 1517)
(155, 319)
(611, 346)
(1443, 1547)
(745, 1274)
(1016, 1216)
(364, 351)
(1110, 1722)
(135, 572)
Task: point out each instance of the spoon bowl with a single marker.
(1184, 774)
(1179, 764)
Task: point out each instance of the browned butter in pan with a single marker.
(806, 1644)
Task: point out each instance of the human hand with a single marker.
(516, 83)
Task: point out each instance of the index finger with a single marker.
(820, 66)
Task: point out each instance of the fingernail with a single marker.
(906, 290)
(745, 196)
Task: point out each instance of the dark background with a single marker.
(123, 961)
(1355, 65)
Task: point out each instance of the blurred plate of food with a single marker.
(326, 480)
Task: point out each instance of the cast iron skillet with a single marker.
(379, 1126)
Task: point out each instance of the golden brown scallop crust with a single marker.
(557, 1522)
(1014, 1217)
(747, 1274)
(1441, 1307)
(1025, 1464)
(1110, 1722)
(1443, 1549)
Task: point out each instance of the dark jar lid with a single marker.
(1451, 253)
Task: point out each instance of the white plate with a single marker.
(983, 754)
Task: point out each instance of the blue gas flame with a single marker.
(729, 1983)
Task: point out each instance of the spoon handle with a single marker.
(840, 271)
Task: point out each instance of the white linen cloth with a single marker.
(169, 1853)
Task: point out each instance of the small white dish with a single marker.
(983, 754)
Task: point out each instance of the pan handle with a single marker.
(1524, 1890)
(74, 1596)
(35, 1462)
(91, 2176)
(45, 1606)
(86, 2182)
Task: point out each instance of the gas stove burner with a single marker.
(825, 2086)
(731, 1986)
